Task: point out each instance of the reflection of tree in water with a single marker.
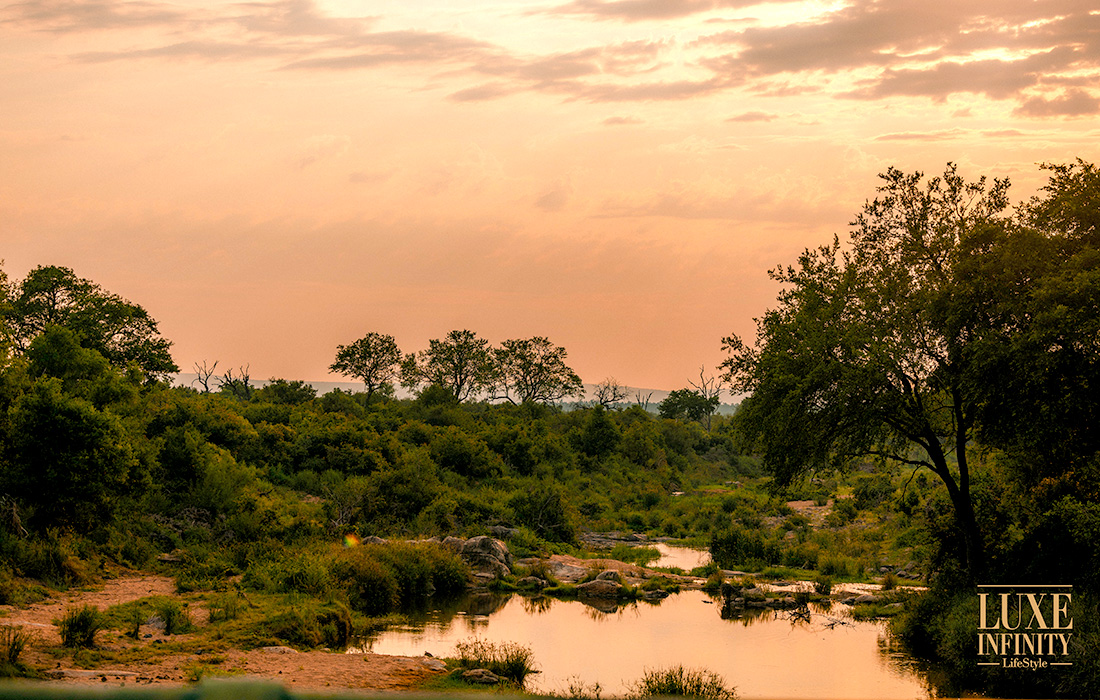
(537, 605)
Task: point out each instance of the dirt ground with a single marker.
(313, 670)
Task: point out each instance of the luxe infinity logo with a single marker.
(1026, 627)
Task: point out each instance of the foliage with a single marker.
(79, 626)
(461, 363)
(508, 660)
(175, 616)
(121, 331)
(532, 370)
(374, 359)
(678, 681)
(688, 404)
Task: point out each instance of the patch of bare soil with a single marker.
(305, 670)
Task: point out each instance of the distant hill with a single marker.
(653, 396)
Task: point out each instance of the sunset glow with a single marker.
(273, 178)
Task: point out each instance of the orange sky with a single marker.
(271, 179)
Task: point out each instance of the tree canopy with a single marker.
(532, 370)
(885, 349)
(121, 331)
(374, 359)
(461, 363)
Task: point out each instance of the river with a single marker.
(764, 655)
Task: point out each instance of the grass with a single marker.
(13, 640)
(79, 626)
(679, 681)
(508, 660)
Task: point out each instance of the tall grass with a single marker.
(79, 626)
(679, 681)
(12, 642)
(506, 659)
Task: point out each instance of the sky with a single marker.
(271, 179)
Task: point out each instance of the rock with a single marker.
(481, 676)
(434, 664)
(655, 595)
(752, 592)
(373, 539)
(866, 598)
(487, 555)
(452, 542)
(884, 569)
(502, 532)
(598, 589)
(609, 575)
(279, 650)
(531, 582)
(156, 622)
(895, 606)
(850, 600)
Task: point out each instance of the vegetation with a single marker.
(508, 660)
(79, 626)
(927, 387)
(678, 681)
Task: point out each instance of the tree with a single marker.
(374, 359)
(710, 389)
(461, 363)
(69, 460)
(687, 404)
(609, 392)
(871, 351)
(239, 384)
(120, 330)
(532, 370)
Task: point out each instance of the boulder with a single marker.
(487, 555)
(452, 542)
(609, 575)
(374, 539)
(482, 676)
(531, 583)
(502, 532)
(598, 589)
(866, 598)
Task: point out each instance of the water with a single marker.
(685, 558)
(763, 655)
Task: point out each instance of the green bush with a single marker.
(12, 642)
(78, 627)
(176, 618)
(678, 681)
(371, 585)
(226, 606)
(506, 659)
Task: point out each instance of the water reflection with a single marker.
(763, 652)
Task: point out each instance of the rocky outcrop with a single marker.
(600, 588)
(481, 676)
(486, 555)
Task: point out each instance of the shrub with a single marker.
(692, 683)
(79, 626)
(823, 585)
(226, 606)
(371, 586)
(175, 616)
(12, 642)
(506, 659)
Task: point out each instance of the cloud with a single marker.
(943, 135)
(753, 117)
(1071, 103)
(647, 10)
(83, 15)
(621, 121)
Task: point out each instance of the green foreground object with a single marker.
(210, 689)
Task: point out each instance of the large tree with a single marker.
(532, 370)
(121, 331)
(461, 363)
(872, 349)
(374, 359)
